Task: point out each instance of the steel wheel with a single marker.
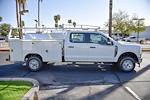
(34, 63)
(127, 64)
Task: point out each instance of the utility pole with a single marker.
(110, 17)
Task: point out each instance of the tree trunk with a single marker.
(20, 20)
(17, 14)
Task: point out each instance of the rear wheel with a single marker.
(126, 64)
(34, 63)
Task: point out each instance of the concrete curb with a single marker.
(145, 49)
(30, 94)
(4, 49)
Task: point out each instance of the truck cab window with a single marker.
(77, 37)
(98, 39)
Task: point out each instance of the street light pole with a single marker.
(38, 13)
(110, 17)
(138, 24)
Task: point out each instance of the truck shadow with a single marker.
(79, 67)
(75, 76)
(123, 79)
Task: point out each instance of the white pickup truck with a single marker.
(134, 39)
(74, 46)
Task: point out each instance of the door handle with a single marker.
(92, 47)
(70, 46)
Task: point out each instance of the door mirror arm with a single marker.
(109, 42)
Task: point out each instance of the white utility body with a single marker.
(73, 46)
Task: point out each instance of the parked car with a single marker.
(134, 39)
(2, 39)
(74, 46)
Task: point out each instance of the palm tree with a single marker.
(17, 14)
(22, 23)
(69, 21)
(20, 10)
(56, 19)
(1, 18)
(74, 24)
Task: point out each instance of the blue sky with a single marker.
(91, 12)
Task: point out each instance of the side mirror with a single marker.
(109, 42)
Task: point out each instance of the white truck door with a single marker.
(76, 48)
(100, 50)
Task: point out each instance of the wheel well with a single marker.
(29, 55)
(129, 54)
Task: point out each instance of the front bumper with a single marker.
(139, 60)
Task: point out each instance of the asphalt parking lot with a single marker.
(85, 81)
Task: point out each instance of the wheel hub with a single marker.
(127, 65)
(34, 64)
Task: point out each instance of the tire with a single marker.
(126, 64)
(34, 63)
(128, 41)
(142, 42)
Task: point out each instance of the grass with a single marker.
(13, 90)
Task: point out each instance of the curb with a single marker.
(145, 49)
(4, 49)
(30, 94)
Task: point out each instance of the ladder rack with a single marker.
(43, 30)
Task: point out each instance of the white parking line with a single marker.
(132, 93)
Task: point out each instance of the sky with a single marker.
(87, 12)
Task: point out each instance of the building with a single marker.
(145, 34)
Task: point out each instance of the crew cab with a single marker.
(73, 46)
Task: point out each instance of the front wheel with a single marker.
(34, 63)
(127, 64)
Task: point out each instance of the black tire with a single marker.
(36, 61)
(126, 64)
(128, 41)
(142, 42)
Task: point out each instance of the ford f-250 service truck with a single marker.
(73, 46)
